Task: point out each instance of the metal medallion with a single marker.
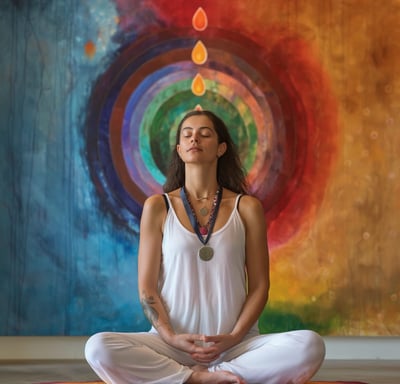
(206, 253)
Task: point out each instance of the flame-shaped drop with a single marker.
(199, 53)
(198, 107)
(199, 20)
(90, 49)
(198, 85)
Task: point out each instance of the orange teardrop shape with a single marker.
(198, 85)
(90, 49)
(198, 107)
(199, 20)
(199, 53)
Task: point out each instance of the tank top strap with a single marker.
(238, 197)
(166, 200)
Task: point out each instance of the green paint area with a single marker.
(158, 129)
(288, 317)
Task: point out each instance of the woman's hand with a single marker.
(201, 348)
(221, 343)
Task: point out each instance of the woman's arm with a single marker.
(257, 264)
(149, 263)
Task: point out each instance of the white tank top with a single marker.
(204, 297)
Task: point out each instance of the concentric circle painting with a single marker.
(274, 108)
(138, 102)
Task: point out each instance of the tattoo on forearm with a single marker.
(148, 303)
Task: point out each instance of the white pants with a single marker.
(280, 358)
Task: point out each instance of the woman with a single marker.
(204, 279)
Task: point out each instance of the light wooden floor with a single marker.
(29, 372)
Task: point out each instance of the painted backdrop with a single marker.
(91, 93)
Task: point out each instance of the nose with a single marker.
(194, 139)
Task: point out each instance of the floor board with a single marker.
(369, 371)
(29, 372)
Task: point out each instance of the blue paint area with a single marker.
(65, 267)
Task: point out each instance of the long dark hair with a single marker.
(230, 171)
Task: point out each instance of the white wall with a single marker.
(71, 347)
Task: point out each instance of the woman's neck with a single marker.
(200, 185)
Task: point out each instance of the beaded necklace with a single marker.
(203, 232)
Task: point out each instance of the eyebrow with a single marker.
(202, 127)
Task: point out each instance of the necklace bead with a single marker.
(203, 231)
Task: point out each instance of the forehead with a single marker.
(198, 121)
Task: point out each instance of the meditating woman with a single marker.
(204, 279)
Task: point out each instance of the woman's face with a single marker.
(198, 140)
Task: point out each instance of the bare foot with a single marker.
(201, 375)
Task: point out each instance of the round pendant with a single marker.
(206, 253)
(203, 211)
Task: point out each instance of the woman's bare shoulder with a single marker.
(250, 208)
(157, 202)
(154, 201)
(154, 213)
(251, 202)
(154, 206)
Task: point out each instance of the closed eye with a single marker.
(205, 131)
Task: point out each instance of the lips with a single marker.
(194, 149)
